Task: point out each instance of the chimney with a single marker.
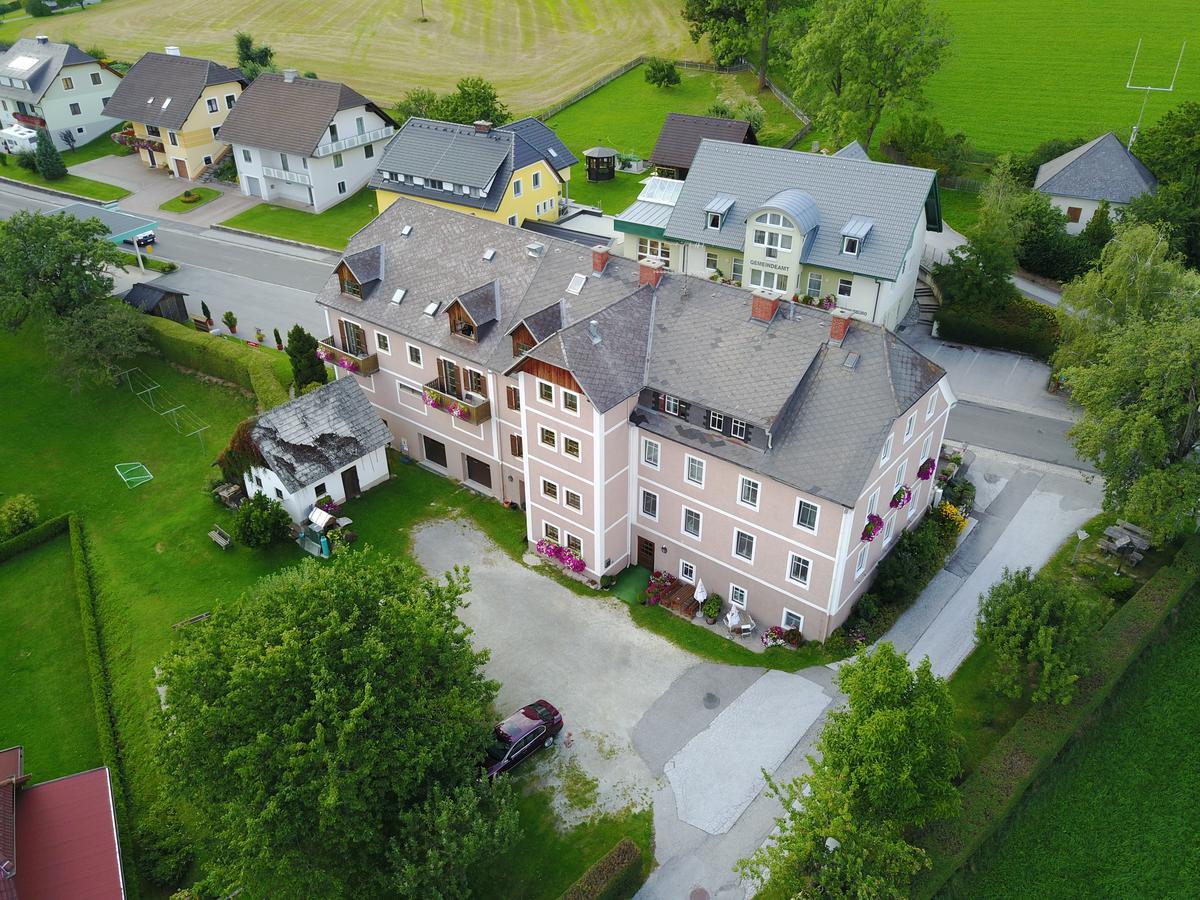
(289, 75)
(594, 331)
(839, 326)
(171, 51)
(482, 126)
(599, 258)
(650, 272)
(42, 39)
(763, 307)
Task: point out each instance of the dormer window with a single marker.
(716, 210)
(349, 285)
(850, 245)
(714, 221)
(854, 233)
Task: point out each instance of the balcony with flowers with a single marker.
(358, 363)
(128, 138)
(30, 120)
(467, 408)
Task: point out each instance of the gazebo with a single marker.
(601, 163)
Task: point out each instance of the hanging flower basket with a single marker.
(458, 411)
(926, 469)
(433, 401)
(901, 498)
(324, 354)
(873, 527)
(559, 554)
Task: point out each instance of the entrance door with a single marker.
(646, 553)
(435, 451)
(253, 188)
(153, 163)
(350, 482)
(181, 168)
(521, 491)
(479, 472)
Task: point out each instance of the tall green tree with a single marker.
(329, 725)
(419, 102)
(740, 28)
(1170, 148)
(307, 367)
(860, 59)
(93, 343)
(474, 99)
(1175, 210)
(52, 264)
(1039, 632)
(894, 742)
(50, 163)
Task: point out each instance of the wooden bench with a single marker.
(1134, 529)
(220, 538)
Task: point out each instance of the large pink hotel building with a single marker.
(642, 416)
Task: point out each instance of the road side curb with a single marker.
(45, 190)
(275, 240)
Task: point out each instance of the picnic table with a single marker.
(1123, 537)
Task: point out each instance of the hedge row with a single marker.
(39, 534)
(6, 8)
(1035, 740)
(1019, 324)
(229, 360)
(616, 876)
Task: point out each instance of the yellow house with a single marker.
(177, 105)
(512, 173)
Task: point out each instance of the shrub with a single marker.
(38, 9)
(615, 876)
(1021, 325)
(34, 537)
(164, 854)
(923, 141)
(867, 608)
(661, 72)
(50, 164)
(240, 454)
(261, 521)
(27, 160)
(18, 514)
(960, 492)
(712, 606)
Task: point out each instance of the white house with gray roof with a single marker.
(840, 228)
(641, 416)
(57, 87)
(1101, 169)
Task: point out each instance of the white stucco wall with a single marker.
(55, 106)
(1087, 208)
(372, 470)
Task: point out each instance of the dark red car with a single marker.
(522, 733)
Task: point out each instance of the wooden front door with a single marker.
(350, 482)
(181, 168)
(645, 556)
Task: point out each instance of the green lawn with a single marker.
(95, 149)
(1024, 71)
(628, 114)
(149, 260)
(179, 205)
(981, 715)
(331, 228)
(960, 209)
(1116, 815)
(47, 688)
(71, 184)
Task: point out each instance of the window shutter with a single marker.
(514, 398)
(342, 333)
(514, 443)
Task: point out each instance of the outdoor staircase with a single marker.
(927, 303)
(209, 172)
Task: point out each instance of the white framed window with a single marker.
(570, 401)
(550, 532)
(671, 405)
(570, 447)
(845, 285)
(212, 104)
(899, 477)
(743, 545)
(792, 620)
(714, 221)
(414, 355)
(886, 453)
(368, 151)
(545, 392)
(772, 281)
(650, 452)
(517, 188)
(341, 187)
(860, 562)
(687, 572)
(173, 139)
(693, 471)
(889, 528)
(910, 426)
(737, 429)
(68, 84)
(710, 261)
(716, 421)
(806, 515)
(549, 490)
(798, 569)
(850, 245)
(75, 109)
(572, 500)
(338, 161)
(873, 502)
(547, 437)
(537, 180)
(930, 406)
(382, 344)
(736, 270)
(814, 284)
(216, 131)
(96, 78)
(691, 522)
(925, 447)
(737, 595)
(512, 220)
(650, 505)
(230, 99)
(574, 544)
(246, 157)
(649, 248)
(748, 490)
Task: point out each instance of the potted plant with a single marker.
(230, 321)
(278, 340)
(259, 335)
(207, 315)
(711, 608)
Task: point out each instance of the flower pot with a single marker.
(279, 346)
(711, 620)
(233, 329)
(209, 322)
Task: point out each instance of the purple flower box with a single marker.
(926, 469)
(901, 498)
(559, 554)
(872, 528)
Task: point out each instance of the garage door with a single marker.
(253, 186)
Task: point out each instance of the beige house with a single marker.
(177, 105)
(641, 416)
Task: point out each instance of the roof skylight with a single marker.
(577, 283)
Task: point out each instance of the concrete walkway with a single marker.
(939, 245)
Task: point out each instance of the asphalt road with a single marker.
(1019, 433)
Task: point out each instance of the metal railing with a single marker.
(285, 175)
(355, 140)
(468, 408)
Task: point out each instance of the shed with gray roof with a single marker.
(1101, 169)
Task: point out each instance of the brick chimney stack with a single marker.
(600, 256)
(839, 327)
(650, 272)
(763, 307)
(482, 126)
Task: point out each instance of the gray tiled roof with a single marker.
(145, 297)
(306, 439)
(545, 322)
(481, 303)
(52, 58)
(1101, 169)
(367, 265)
(290, 117)
(162, 88)
(892, 196)
(853, 150)
(537, 140)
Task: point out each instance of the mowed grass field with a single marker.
(535, 51)
(1116, 816)
(1027, 70)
